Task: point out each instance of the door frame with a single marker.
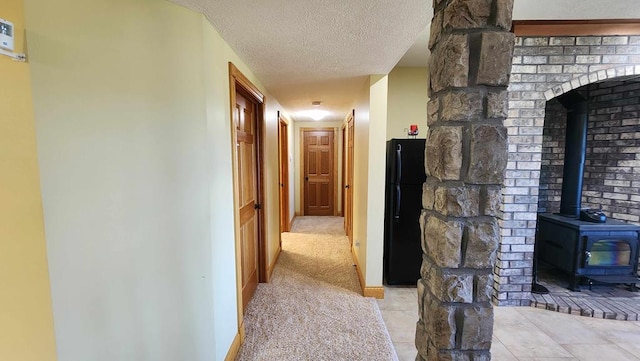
(343, 181)
(334, 166)
(237, 81)
(349, 170)
(283, 173)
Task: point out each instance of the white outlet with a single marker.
(357, 243)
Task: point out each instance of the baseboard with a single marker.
(375, 292)
(358, 269)
(273, 264)
(235, 345)
(292, 219)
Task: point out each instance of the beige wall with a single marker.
(133, 128)
(217, 54)
(407, 102)
(297, 153)
(26, 319)
(376, 179)
(360, 175)
(369, 177)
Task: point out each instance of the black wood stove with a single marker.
(595, 249)
(602, 252)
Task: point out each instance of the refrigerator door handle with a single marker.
(399, 163)
(398, 198)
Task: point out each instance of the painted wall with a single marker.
(360, 176)
(217, 54)
(26, 319)
(408, 88)
(132, 117)
(296, 152)
(376, 178)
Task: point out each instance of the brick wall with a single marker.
(612, 167)
(543, 68)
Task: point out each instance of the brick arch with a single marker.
(590, 78)
(543, 68)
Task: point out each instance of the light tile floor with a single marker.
(524, 333)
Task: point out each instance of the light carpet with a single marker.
(313, 308)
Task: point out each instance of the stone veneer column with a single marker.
(466, 157)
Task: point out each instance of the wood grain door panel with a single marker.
(283, 156)
(319, 173)
(245, 121)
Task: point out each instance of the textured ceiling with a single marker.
(306, 50)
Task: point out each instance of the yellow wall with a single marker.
(131, 102)
(26, 322)
(376, 178)
(360, 175)
(369, 175)
(408, 88)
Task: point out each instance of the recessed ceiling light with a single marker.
(315, 114)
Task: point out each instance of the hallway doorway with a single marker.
(319, 172)
(348, 176)
(247, 117)
(283, 173)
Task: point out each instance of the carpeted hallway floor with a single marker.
(313, 308)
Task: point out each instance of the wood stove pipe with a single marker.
(574, 152)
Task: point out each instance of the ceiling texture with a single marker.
(310, 50)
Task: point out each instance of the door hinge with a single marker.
(257, 206)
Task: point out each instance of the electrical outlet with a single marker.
(357, 243)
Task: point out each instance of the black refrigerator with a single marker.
(403, 203)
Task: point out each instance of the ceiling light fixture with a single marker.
(315, 114)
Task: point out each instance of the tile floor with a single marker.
(524, 333)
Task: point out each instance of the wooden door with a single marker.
(344, 171)
(283, 155)
(245, 120)
(319, 185)
(348, 217)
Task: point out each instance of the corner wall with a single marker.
(26, 319)
(133, 124)
(368, 184)
(408, 89)
(379, 86)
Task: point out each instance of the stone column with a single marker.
(466, 157)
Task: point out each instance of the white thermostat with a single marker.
(6, 34)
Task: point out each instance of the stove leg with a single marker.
(574, 284)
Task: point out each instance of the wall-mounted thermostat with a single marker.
(6, 34)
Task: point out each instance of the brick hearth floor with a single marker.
(524, 333)
(602, 301)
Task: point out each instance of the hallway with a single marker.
(313, 308)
